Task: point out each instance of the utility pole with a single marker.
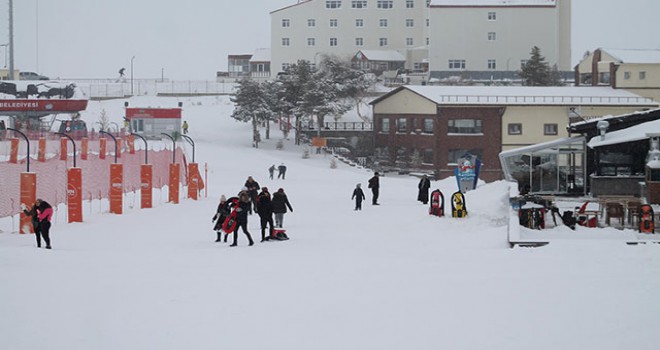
(11, 40)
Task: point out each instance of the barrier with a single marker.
(146, 186)
(103, 144)
(74, 194)
(28, 197)
(63, 150)
(13, 153)
(174, 183)
(84, 148)
(193, 180)
(41, 155)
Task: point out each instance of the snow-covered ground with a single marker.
(388, 277)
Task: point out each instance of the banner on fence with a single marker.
(116, 188)
(146, 185)
(174, 183)
(119, 148)
(28, 197)
(74, 194)
(63, 150)
(102, 145)
(13, 155)
(41, 153)
(193, 180)
(84, 148)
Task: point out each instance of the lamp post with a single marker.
(11, 40)
(192, 143)
(132, 58)
(27, 159)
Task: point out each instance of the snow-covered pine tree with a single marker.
(535, 72)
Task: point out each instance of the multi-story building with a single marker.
(490, 39)
(637, 71)
(439, 124)
(311, 28)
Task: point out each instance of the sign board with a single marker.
(467, 172)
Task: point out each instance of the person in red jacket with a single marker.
(44, 214)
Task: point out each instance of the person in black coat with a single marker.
(242, 218)
(374, 184)
(280, 203)
(423, 186)
(221, 215)
(358, 194)
(45, 214)
(35, 219)
(281, 171)
(265, 211)
(253, 191)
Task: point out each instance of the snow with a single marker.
(387, 277)
(633, 133)
(641, 56)
(383, 55)
(530, 95)
(260, 55)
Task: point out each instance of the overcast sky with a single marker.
(191, 39)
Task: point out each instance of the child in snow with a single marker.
(221, 215)
(359, 196)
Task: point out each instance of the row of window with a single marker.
(358, 42)
(403, 154)
(461, 65)
(457, 126)
(548, 129)
(362, 4)
(359, 22)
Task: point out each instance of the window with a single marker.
(642, 75)
(383, 22)
(359, 4)
(285, 41)
(285, 67)
(359, 22)
(428, 41)
(311, 42)
(384, 4)
(428, 22)
(382, 42)
(456, 64)
(585, 78)
(550, 129)
(410, 4)
(491, 36)
(464, 126)
(311, 22)
(428, 126)
(333, 23)
(385, 125)
(427, 156)
(402, 125)
(626, 75)
(515, 129)
(455, 154)
(333, 41)
(138, 125)
(604, 78)
(333, 4)
(410, 22)
(359, 42)
(409, 41)
(492, 16)
(286, 23)
(492, 64)
(523, 63)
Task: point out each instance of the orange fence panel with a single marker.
(116, 188)
(74, 194)
(41, 154)
(63, 150)
(84, 148)
(174, 183)
(193, 180)
(102, 146)
(146, 186)
(13, 155)
(28, 197)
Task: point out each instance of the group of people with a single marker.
(281, 171)
(249, 199)
(358, 194)
(41, 213)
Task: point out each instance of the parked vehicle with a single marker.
(31, 76)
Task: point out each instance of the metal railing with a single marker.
(545, 99)
(98, 88)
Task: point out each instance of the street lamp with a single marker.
(132, 58)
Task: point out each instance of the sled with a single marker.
(437, 206)
(582, 219)
(646, 224)
(458, 208)
(230, 222)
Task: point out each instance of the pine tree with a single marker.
(536, 71)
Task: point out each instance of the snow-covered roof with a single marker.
(382, 55)
(610, 117)
(530, 95)
(261, 55)
(633, 133)
(454, 3)
(634, 55)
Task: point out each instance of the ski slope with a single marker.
(388, 277)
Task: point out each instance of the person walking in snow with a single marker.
(423, 186)
(271, 171)
(44, 215)
(358, 194)
(280, 203)
(185, 126)
(374, 184)
(253, 191)
(265, 211)
(281, 171)
(242, 218)
(35, 219)
(221, 215)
